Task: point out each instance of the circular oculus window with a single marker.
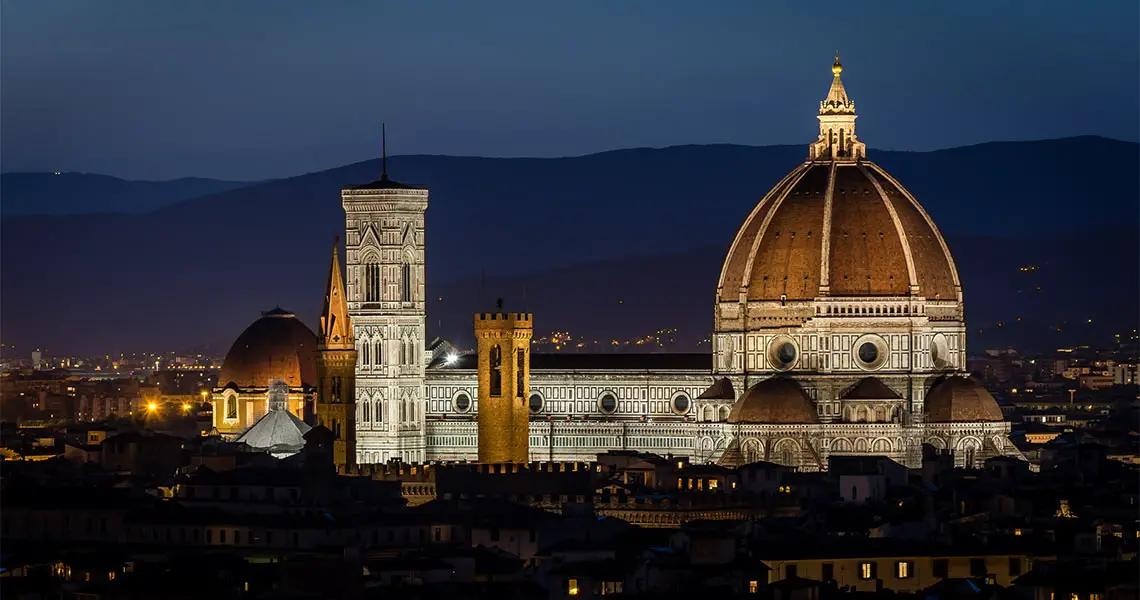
(681, 404)
(535, 403)
(870, 352)
(607, 404)
(462, 402)
(782, 353)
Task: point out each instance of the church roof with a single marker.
(278, 430)
(958, 399)
(277, 346)
(384, 183)
(721, 389)
(777, 400)
(336, 327)
(871, 388)
(839, 226)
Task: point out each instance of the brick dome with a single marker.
(958, 399)
(777, 400)
(276, 346)
(837, 229)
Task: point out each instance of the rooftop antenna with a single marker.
(383, 151)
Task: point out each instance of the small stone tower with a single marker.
(336, 369)
(504, 385)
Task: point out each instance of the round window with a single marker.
(782, 354)
(940, 352)
(535, 403)
(681, 404)
(868, 353)
(608, 404)
(462, 402)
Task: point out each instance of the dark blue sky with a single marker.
(258, 89)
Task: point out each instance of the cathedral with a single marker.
(838, 330)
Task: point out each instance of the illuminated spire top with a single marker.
(837, 101)
(336, 330)
(837, 139)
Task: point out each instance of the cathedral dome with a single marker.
(957, 399)
(777, 400)
(837, 225)
(276, 346)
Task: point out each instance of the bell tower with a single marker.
(384, 248)
(336, 368)
(504, 385)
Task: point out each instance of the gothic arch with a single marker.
(751, 449)
(786, 452)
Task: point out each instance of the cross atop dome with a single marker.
(837, 141)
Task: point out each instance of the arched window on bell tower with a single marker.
(406, 282)
(496, 376)
(372, 280)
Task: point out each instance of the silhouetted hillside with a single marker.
(200, 270)
(83, 193)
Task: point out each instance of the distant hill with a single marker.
(82, 193)
(629, 298)
(198, 271)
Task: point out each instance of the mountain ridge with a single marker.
(201, 269)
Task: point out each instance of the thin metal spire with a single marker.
(383, 151)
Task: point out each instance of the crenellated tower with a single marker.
(336, 368)
(503, 341)
(384, 247)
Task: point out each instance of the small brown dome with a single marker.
(957, 399)
(778, 400)
(276, 346)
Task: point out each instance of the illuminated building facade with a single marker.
(838, 329)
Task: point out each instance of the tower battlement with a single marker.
(497, 320)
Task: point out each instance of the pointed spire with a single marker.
(383, 151)
(336, 329)
(837, 139)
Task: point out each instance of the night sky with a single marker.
(249, 90)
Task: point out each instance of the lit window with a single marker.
(753, 586)
(573, 587)
(866, 570)
(903, 569)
